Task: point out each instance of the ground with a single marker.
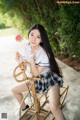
(74, 63)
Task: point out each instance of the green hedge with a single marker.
(62, 22)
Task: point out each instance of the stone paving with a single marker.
(8, 103)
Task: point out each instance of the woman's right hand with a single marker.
(19, 58)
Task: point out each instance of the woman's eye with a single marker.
(38, 37)
(31, 34)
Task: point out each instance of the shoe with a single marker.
(27, 106)
(17, 114)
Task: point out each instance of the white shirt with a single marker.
(41, 58)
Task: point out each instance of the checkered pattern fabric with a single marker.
(47, 80)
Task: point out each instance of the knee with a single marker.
(14, 91)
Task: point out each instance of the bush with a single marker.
(2, 25)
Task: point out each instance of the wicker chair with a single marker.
(38, 109)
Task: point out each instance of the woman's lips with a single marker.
(33, 43)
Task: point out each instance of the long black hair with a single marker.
(46, 46)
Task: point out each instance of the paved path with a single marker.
(8, 103)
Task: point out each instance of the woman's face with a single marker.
(34, 38)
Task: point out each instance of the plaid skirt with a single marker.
(47, 80)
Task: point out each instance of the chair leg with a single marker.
(64, 94)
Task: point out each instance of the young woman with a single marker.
(43, 64)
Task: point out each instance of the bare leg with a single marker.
(17, 91)
(54, 93)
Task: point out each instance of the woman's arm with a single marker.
(36, 70)
(20, 59)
